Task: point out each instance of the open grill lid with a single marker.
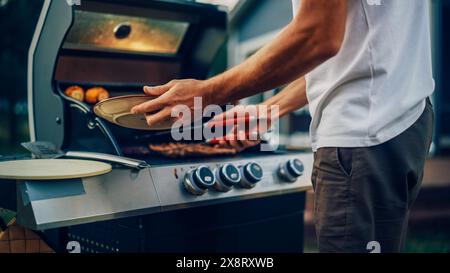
(141, 42)
(119, 43)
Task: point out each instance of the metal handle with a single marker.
(129, 162)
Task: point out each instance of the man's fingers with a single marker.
(240, 134)
(235, 144)
(219, 119)
(157, 90)
(232, 139)
(215, 120)
(149, 106)
(250, 143)
(160, 116)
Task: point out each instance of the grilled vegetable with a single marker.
(103, 95)
(75, 92)
(96, 94)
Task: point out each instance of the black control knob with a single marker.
(227, 176)
(291, 170)
(198, 180)
(251, 174)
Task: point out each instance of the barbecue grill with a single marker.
(252, 201)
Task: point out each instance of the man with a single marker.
(364, 67)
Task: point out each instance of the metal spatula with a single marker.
(43, 149)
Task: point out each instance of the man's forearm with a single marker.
(291, 98)
(311, 38)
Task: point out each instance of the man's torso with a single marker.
(374, 88)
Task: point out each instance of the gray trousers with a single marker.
(363, 195)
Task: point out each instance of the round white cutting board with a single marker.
(51, 169)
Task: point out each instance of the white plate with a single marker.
(117, 110)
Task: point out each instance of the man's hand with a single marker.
(248, 122)
(237, 141)
(176, 92)
(291, 98)
(314, 36)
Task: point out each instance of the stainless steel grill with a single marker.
(122, 45)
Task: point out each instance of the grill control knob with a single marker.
(197, 181)
(251, 174)
(227, 176)
(291, 170)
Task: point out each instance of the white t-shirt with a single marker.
(376, 86)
